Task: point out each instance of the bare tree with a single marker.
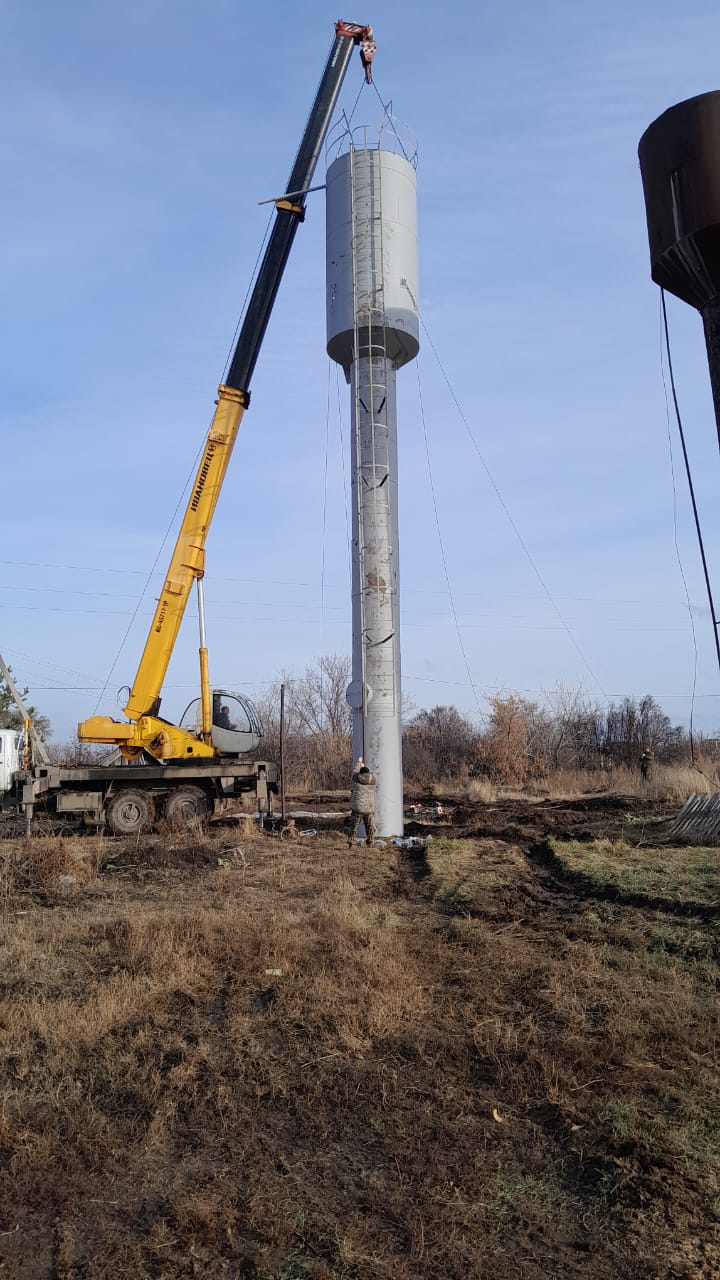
(505, 750)
(318, 700)
(439, 743)
(318, 724)
(575, 728)
(634, 725)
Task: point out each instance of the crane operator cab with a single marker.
(236, 726)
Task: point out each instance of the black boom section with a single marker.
(283, 233)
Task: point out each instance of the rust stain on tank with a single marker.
(376, 583)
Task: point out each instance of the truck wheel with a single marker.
(185, 805)
(129, 812)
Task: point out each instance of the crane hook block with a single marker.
(365, 38)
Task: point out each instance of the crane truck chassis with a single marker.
(188, 771)
(129, 798)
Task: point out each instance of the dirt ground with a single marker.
(231, 1055)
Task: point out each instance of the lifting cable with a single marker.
(387, 111)
(352, 113)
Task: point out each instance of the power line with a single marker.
(224, 602)
(337, 586)
(464, 684)
(460, 684)
(52, 666)
(436, 619)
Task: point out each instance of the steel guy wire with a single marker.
(691, 485)
(324, 528)
(506, 509)
(343, 470)
(664, 341)
(442, 547)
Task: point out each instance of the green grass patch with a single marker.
(683, 876)
(467, 874)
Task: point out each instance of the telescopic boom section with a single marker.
(188, 559)
(291, 210)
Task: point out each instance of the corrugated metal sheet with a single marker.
(698, 822)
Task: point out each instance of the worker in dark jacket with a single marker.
(362, 802)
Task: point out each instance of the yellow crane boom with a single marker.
(145, 731)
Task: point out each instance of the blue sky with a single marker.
(137, 142)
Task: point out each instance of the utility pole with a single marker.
(38, 744)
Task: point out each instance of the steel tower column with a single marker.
(372, 331)
(377, 726)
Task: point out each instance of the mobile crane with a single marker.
(182, 771)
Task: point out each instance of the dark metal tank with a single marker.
(680, 166)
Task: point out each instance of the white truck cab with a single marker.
(11, 754)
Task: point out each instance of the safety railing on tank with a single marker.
(390, 135)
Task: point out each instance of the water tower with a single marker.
(680, 167)
(372, 329)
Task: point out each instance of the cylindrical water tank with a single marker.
(381, 290)
(680, 167)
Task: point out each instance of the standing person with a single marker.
(646, 761)
(362, 802)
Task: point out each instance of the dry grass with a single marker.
(668, 783)
(308, 1063)
(54, 864)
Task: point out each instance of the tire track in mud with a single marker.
(567, 882)
(547, 896)
(527, 899)
(550, 888)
